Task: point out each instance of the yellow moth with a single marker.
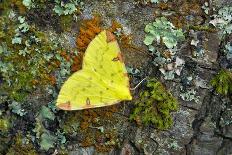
(103, 80)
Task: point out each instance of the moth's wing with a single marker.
(103, 57)
(102, 81)
(84, 90)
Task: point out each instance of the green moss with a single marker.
(202, 28)
(6, 5)
(4, 125)
(4, 141)
(222, 82)
(22, 84)
(154, 106)
(19, 148)
(66, 22)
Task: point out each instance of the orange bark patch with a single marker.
(65, 55)
(52, 79)
(88, 30)
(114, 26)
(120, 57)
(181, 10)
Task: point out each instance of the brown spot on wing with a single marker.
(115, 59)
(87, 104)
(118, 58)
(87, 101)
(65, 106)
(125, 75)
(110, 37)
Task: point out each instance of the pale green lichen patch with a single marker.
(222, 20)
(228, 50)
(163, 31)
(65, 8)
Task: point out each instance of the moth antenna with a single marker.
(138, 84)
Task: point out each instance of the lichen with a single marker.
(70, 125)
(30, 46)
(47, 141)
(163, 31)
(222, 20)
(46, 138)
(228, 50)
(66, 8)
(189, 95)
(17, 109)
